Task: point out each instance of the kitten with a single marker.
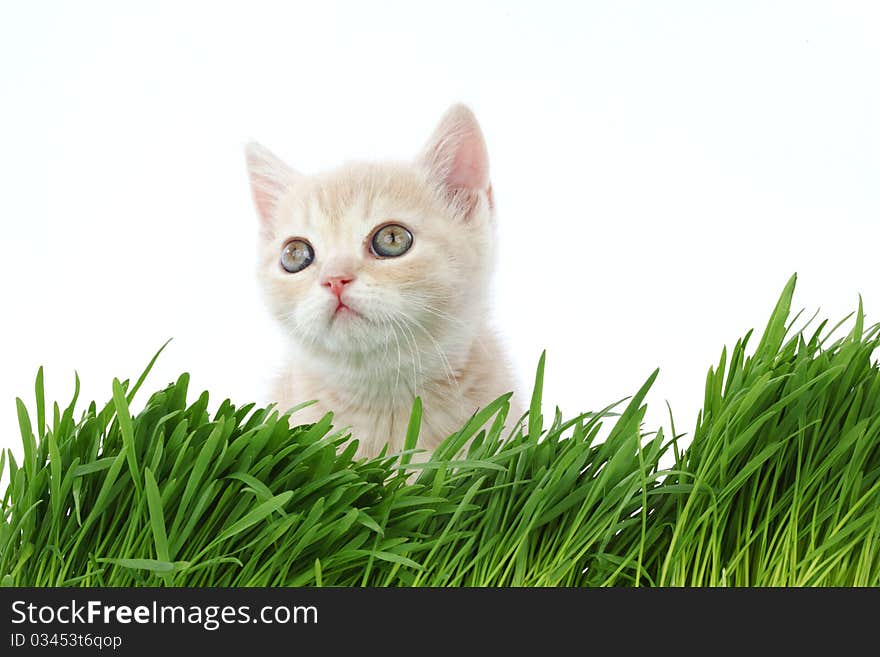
(379, 274)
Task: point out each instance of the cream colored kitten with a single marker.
(379, 275)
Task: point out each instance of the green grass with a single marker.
(780, 485)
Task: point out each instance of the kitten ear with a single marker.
(270, 178)
(456, 157)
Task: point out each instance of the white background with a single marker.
(660, 170)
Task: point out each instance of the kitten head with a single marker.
(371, 257)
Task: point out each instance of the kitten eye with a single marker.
(296, 255)
(391, 240)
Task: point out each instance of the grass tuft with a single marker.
(779, 486)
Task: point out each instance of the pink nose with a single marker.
(337, 283)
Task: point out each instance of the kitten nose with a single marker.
(337, 283)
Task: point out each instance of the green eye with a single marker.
(296, 255)
(391, 240)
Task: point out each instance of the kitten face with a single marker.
(338, 215)
(351, 301)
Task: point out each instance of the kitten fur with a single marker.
(417, 324)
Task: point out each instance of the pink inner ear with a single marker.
(456, 153)
(470, 162)
(266, 192)
(269, 177)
